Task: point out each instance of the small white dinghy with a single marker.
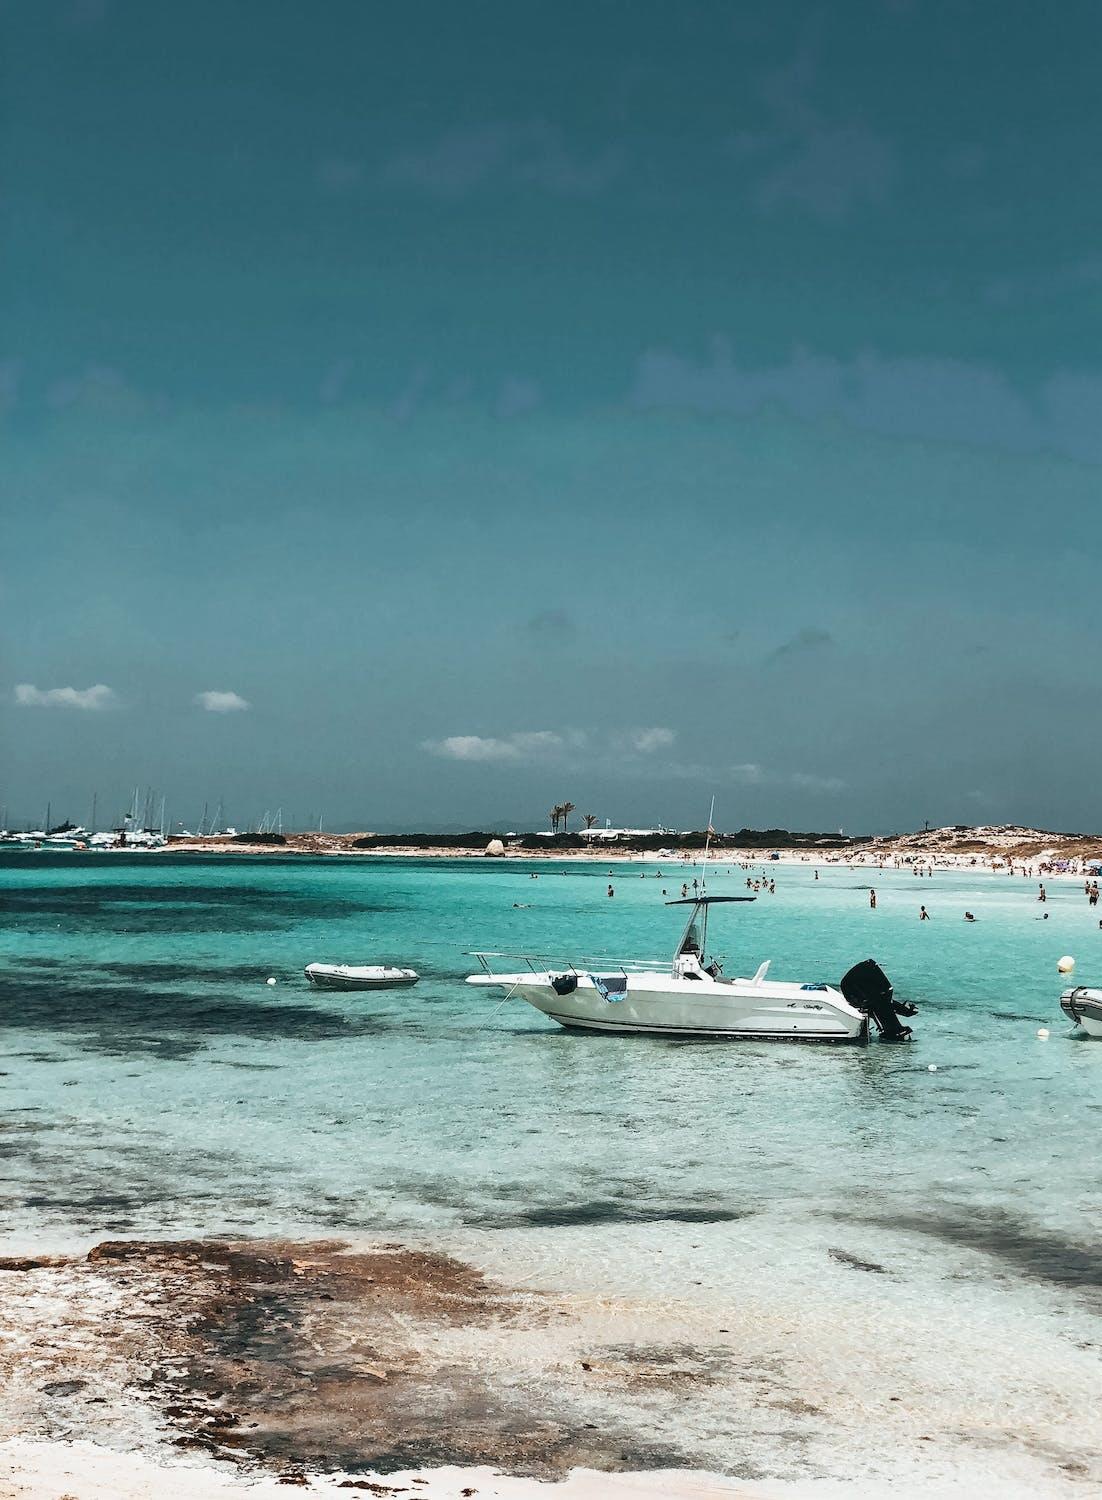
(1084, 1007)
(361, 977)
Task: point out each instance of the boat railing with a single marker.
(541, 963)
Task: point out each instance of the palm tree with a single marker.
(554, 815)
(589, 819)
(567, 809)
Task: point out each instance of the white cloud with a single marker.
(517, 396)
(630, 752)
(822, 163)
(646, 741)
(809, 782)
(550, 744)
(539, 741)
(828, 171)
(946, 400)
(100, 389)
(749, 773)
(91, 698)
(220, 702)
(523, 745)
(522, 153)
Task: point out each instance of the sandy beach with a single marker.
(250, 1368)
(213, 1369)
(82, 1471)
(999, 848)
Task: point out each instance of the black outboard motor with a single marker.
(868, 988)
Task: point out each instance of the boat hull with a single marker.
(337, 977)
(1084, 1007)
(703, 1008)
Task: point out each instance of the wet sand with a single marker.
(146, 1370)
(294, 1360)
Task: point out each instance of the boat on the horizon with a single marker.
(692, 997)
(360, 977)
(1083, 1006)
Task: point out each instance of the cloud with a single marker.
(808, 781)
(518, 396)
(828, 172)
(521, 745)
(101, 390)
(90, 699)
(1066, 279)
(551, 622)
(216, 701)
(919, 396)
(84, 15)
(627, 752)
(548, 744)
(517, 153)
(11, 375)
(338, 174)
(405, 405)
(810, 638)
(803, 157)
(646, 741)
(334, 381)
(752, 774)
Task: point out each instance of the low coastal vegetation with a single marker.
(956, 844)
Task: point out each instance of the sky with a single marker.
(417, 416)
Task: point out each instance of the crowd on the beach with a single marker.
(759, 882)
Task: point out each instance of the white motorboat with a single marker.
(1084, 1007)
(692, 996)
(360, 977)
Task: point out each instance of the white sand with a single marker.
(41, 1470)
(31, 1470)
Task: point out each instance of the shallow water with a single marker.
(155, 1084)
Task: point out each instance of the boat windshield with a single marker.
(693, 939)
(695, 936)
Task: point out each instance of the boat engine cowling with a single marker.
(868, 988)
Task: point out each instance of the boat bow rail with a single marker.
(542, 963)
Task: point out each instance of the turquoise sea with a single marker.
(924, 1216)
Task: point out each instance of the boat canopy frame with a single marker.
(694, 940)
(543, 963)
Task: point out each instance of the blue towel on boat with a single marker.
(612, 989)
